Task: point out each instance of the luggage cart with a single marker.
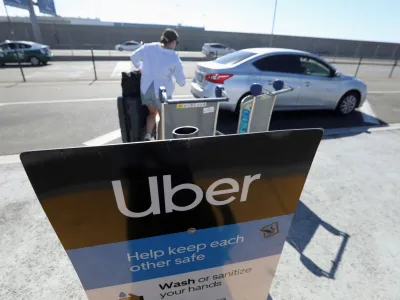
(190, 117)
(256, 110)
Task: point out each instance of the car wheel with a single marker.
(120, 49)
(348, 103)
(44, 63)
(34, 61)
(237, 110)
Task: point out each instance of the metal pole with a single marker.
(358, 50)
(35, 25)
(394, 51)
(9, 22)
(376, 51)
(15, 50)
(393, 67)
(94, 64)
(358, 66)
(336, 53)
(273, 24)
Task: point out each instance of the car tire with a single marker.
(120, 49)
(44, 63)
(348, 103)
(34, 61)
(237, 109)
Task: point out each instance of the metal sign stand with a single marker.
(256, 110)
(199, 113)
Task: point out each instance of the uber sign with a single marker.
(201, 218)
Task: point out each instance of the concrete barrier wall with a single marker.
(64, 36)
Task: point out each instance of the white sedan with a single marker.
(128, 46)
(317, 84)
(216, 49)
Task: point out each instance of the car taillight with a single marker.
(218, 78)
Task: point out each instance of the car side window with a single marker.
(313, 67)
(282, 63)
(12, 46)
(23, 46)
(128, 43)
(4, 47)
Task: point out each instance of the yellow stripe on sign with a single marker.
(180, 106)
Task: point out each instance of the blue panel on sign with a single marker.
(47, 7)
(17, 3)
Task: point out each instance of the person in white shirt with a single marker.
(158, 63)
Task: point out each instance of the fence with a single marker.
(95, 64)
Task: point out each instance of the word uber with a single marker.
(170, 191)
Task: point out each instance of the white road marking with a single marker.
(368, 113)
(9, 159)
(76, 100)
(58, 101)
(383, 92)
(109, 137)
(121, 66)
(104, 139)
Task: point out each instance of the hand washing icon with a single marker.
(123, 296)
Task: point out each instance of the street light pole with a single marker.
(273, 24)
(35, 25)
(9, 22)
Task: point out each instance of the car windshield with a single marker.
(234, 58)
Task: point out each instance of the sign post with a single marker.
(203, 218)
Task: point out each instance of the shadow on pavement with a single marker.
(304, 225)
(227, 121)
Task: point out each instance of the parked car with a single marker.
(317, 84)
(216, 49)
(128, 46)
(25, 52)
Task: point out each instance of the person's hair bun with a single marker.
(169, 35)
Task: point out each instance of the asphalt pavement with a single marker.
(344, 241)
(53, 115)
(111, 70)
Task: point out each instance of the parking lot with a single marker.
(111, 70)
(344, 241)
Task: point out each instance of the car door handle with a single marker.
(307, 83)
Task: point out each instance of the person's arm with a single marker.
(137, 57)
(179, 74)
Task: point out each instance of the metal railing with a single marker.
(99, 64)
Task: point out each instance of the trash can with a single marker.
(185, 132)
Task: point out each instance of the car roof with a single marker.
(275, 50)
(22, 42)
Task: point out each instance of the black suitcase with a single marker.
(132, 114)
(132, 119)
